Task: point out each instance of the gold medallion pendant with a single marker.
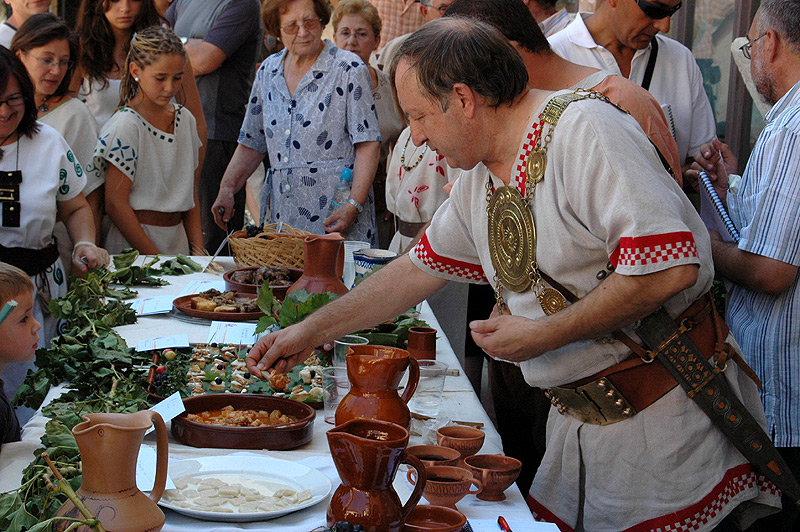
(534, 168)
(552, 301)
(512, 238)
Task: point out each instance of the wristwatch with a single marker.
(359, 206)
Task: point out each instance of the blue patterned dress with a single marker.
(310, 136)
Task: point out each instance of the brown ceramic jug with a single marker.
(374, 372)
(109, 445)
(323, 262)
(366, 454)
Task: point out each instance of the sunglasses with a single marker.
(657, 11)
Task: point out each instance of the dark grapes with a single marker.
(252, 230)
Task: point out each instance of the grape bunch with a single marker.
(344, 526)
(252, 230)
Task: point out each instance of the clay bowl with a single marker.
(427, 518)
(446, 485)
(495, 471)
(275, 437)
(465, 440)
(434, 455)
(278, 291)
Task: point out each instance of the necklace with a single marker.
(43, 107)
(403, 156)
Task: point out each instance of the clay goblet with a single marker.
(446, 485)
(428, 518)
(465, 440)
(495, 471)
(434, 455)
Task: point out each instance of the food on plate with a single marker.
(278, 381)
(215, 301)
(233, 495)
(230, 417)
(201, 303)
(275, 276)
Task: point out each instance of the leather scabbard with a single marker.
(707, 387)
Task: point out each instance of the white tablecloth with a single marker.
(459, 403)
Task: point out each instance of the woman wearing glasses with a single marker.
(357, 28)
(45, 46)
(311, 109)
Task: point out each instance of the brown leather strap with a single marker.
(158, 218)
(409, 229)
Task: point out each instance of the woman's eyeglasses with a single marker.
(15, 100)
(359, 35)
(657, 11)
(309, 24)
(746, 47)
(50, 62)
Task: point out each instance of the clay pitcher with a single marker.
(366, 454)
(109, 445)
(323, 263)
(374, 372)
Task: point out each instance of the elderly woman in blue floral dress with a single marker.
(311, 109)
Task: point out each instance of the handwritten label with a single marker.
(152, 305)
(163, 342)
(146, 470)
(225, 332)
(169, 408)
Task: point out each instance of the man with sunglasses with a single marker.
(223, 40)
(621, 36)
(764, 204)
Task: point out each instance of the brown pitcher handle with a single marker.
(422, 478)
(162, 456)
(413, 380)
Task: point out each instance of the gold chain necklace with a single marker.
(512, 230)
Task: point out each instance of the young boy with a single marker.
(18, 338)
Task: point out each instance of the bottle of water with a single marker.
(342, 191)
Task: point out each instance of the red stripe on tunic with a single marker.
(639, 251)
(424, 252)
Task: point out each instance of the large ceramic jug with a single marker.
(374, 372)
(367, 454)
(323, 261)
(109, 445)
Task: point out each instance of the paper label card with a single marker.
(152, 305)
(163, 342)
(225, 332)
(168, 409)
(146, 470)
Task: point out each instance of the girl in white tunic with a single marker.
(148, 153)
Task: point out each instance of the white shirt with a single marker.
(555, 22)
(677, 83)
(102, 101)
(78, 127)
(7, 33)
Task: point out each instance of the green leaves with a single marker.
(300, 304)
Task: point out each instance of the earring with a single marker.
(136, 79)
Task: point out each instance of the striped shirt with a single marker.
(555, 22)
(766, 209)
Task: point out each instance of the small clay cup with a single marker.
(446, 485)
(495, 471)
(427, 518)
(465, 440)
(422, 343)
(434, 455)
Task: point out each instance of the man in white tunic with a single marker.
(463, 88)
(622, 36)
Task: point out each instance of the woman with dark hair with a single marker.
(45, 45)
(43, 180)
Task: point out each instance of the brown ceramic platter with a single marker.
(184, 304)
(244, 288)
(429, 518)
(274, 437)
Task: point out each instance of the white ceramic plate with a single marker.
(262, 470)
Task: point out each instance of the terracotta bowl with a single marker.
(434, 455)
(446, 485)
(278, 291)
(495, 471)
(275, 437)
(465, 440)
(427, 518)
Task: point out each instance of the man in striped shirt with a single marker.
(764, 298)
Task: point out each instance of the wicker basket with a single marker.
(269, 248)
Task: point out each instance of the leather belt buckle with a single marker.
(9, 193)
(597, 402)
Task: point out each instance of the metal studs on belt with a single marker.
(602, 384)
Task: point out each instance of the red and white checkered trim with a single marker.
(527, 147)
(640, 251)
(711, 508)
(455, 268)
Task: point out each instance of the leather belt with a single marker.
(622, 390)
(31, 261)
(158, 218)
(410, 229)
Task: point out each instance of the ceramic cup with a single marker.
(496, 471)
(446, 485)
(422, 343)
(465, 440)
(428, 518)
(428, 397)
(434, 455)
(368, 261)
(335, 386)
(341, 346)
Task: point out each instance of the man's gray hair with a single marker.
(447, 51)
(782, 16)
